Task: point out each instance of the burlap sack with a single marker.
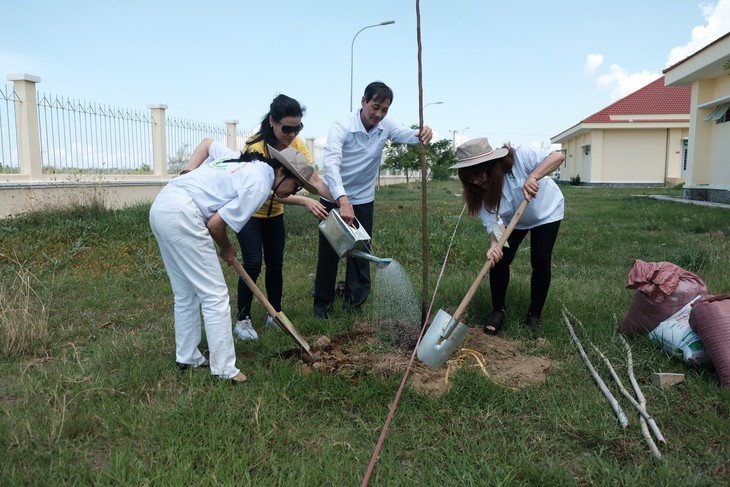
(662, 289)
(710, 318)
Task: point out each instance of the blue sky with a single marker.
(518, 71)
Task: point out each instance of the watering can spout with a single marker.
(381, 261)
(349, 240)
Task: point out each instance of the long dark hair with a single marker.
(474, 195)
(255, 156)
(282, 106)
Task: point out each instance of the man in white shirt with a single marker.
(352, 158)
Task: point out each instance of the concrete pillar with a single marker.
(231, 141)
(159, 139)
(26, 119)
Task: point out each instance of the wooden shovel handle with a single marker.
(488, 264)
(254, 288)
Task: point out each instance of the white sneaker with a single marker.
(244, 330)
(270, 323)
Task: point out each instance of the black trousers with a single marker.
(267, 237)
(542, 241)
(357, 274)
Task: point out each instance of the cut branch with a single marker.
(623, 421)
(642, 400)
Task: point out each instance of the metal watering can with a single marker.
(349, 241)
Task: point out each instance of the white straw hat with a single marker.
(476, 151)
(297, 163)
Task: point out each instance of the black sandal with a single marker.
(532, 322)
(495, 322)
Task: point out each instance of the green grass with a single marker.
(100, 402)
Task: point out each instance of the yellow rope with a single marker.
(460, 361)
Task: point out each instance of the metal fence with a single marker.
(9, 161)
(81, 136)
(184, 135)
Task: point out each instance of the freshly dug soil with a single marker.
(363, 352)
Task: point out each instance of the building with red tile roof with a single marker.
(639, 139)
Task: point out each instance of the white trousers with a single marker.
(197, 280)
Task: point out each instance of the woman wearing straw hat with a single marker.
(190, 216)
(495, 182)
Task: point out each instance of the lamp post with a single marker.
(453, 136)
(433, 103)
(352, 51)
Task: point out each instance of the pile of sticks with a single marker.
(639, 403)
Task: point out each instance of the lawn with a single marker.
(90, 395)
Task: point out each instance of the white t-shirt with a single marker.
(234, 189)
(546, 207)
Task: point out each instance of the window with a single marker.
(720, 114)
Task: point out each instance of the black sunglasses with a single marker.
(291, 129)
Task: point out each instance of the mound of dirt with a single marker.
(360, 353)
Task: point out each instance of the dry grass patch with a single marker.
(23, 313)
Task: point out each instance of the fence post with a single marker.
(231, 141)
(159, 139)
(26, 120)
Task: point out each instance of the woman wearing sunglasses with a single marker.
(264, 234)
(495, 181)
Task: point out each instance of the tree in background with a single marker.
(407, 159)
(440, 155)
(403, 158)
(176, 162)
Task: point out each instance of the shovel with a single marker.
(279, 317)
(446, 332)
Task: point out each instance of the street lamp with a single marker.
(352, 50)
(453, 136)
(433, 103)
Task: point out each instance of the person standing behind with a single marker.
(190, 215)
(265, 232)
(495, 182)
(351, 162)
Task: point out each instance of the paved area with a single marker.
(691, 202)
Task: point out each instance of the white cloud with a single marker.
(593, 62)
(717, 24)
(622, 83)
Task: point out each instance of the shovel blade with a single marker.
(442, 338)
(286, 326)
